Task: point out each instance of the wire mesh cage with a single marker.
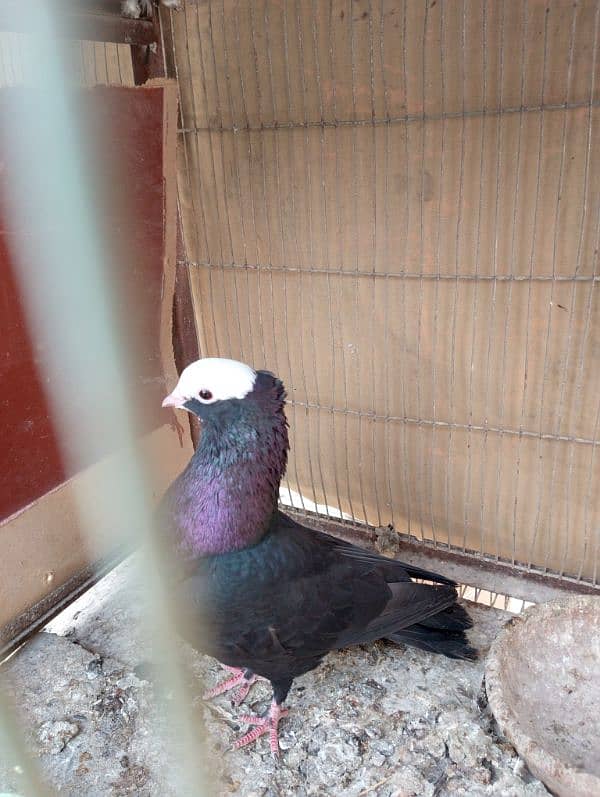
(396, 207)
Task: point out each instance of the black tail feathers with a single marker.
(441, 633)
(454, 618)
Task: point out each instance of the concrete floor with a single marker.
(376, 720)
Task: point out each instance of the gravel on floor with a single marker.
(380, 720)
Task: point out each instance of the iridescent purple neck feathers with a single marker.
(226, 498)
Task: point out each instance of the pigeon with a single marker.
(275, 596)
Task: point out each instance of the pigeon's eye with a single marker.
(205, 395)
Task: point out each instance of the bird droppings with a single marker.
(94, 668)
(377, 720)
(53, 735)
(117, 705)
(386, 541)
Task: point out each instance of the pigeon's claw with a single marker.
(240, 678)
(230, 683)
(240, 694)
(267, 724)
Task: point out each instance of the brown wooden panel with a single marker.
(132, 135)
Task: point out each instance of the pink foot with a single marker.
(267, 724)
(238, 679)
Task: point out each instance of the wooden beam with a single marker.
(77, 23)
(148, 63)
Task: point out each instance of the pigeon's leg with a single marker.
(243, 679)
(269, 723)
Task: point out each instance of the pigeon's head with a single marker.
(215, 388)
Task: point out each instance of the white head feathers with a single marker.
(212, 379)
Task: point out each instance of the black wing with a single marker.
(277, 608)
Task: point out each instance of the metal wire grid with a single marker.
(285, 273)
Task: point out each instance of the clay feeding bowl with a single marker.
(543, 685)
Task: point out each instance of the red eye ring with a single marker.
(205, 395)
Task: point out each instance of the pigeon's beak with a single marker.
(173, 400)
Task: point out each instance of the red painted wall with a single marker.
(30, 461)
(127, 125)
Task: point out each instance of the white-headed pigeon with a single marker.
(277, 597)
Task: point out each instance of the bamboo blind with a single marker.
(396, 207)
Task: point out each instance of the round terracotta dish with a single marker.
(543, 685)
